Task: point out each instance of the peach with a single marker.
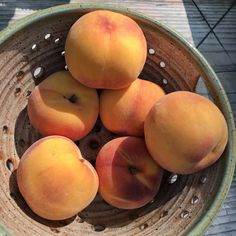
(105, 49)
(60, 105)
(54, 179)
(185, 132)
(128, 177)
(123, 111)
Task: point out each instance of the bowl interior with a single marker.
(36, 51)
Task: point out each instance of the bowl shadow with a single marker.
(25, 134)
(120, 217)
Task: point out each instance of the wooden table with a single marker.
(210, 25)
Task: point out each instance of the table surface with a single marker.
(210, 25)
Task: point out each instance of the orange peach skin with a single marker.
(185, 132)
(123, 111)
(60, 105)
(55, 180)
(105, 49)
(129, 178)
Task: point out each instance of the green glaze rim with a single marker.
(201, 223)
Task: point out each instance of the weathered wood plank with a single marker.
(228, 80)
(225, 222)
(182, 16)
(229, 83)
(224, 219)
(214, 52)
(231, 210)
(226, 32)
(213, 10)
(222, 229)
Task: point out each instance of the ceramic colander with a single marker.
(32, 49)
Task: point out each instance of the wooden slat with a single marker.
(223, 230)
(229, 83)
(214, 52)
(228, 80)
(183, 16)
(224, 219)
(232, 97)
(222, 68)
(225, 222)
(213, 10)
(226, 31)
(231, 210)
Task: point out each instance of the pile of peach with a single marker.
(181, 132)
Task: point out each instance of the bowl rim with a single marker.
(197, 226)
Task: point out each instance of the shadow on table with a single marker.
(8, 9)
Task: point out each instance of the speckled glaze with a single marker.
(184, 206)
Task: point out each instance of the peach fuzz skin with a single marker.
(54, 179)
(185, 132)
(105, 49)
(60, 105)
(123, 111)
(129, 178)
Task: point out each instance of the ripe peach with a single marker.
(55, 180)
(123, 111)
(105, 49)
(60, 105)
(185, 132)
(128, 177)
